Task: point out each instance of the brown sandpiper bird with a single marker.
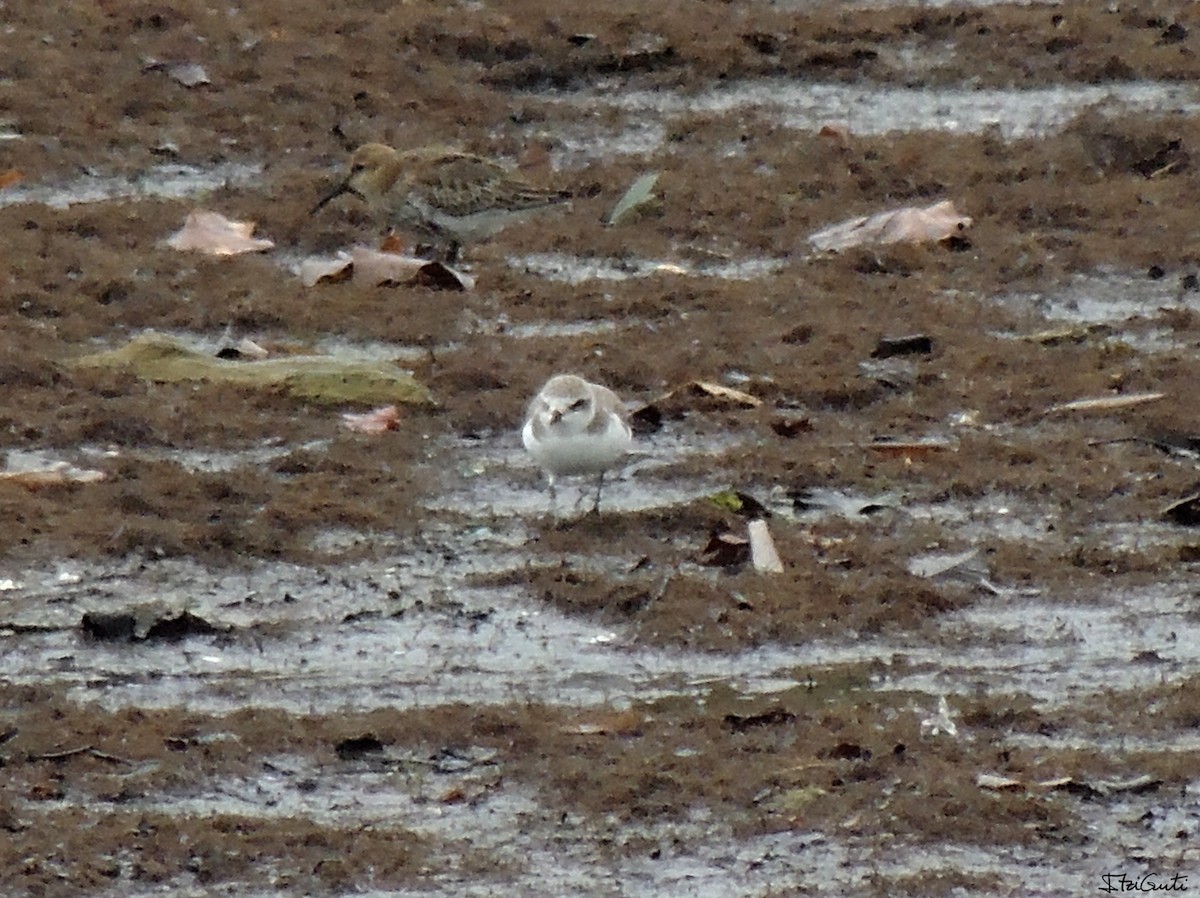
(446, 196)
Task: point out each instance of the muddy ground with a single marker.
(1067, 649)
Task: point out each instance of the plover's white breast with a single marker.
(565, 453)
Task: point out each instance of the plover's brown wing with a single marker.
(607, 402)
(462, 184)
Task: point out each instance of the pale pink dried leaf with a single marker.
(379, 420)
(313, 270)
(908, 224)
(373, 267)
(251, 350)
(216, 235)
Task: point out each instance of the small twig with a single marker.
(82, 750)
(33, 628)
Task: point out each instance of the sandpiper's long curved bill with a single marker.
(343, 187)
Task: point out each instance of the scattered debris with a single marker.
(909, 224)
(940, 722)
(146, 623)
(739, 503)
(1175, 442)
(713, 395)
(382, 268)
(1148, 656)
(378, 268)
(806, 498)
(739, 723)
(358, 747)
(789, 426)
(957, 566)
(1106, 403)
(639, 194)
(725, 549)
(1117, 147)
(9, 821)
(694, 394)
(10, 177)
(620, 723)
(244, 349)
(917, 344)
(792, 801)
(838, 133)
(669, 268)
(909, 450)
(1137, 785)
(647, 419)
(57, 473)
(377, 421)
(763, 555)
(156, 357)
(1185, 512)
(968, 568)
(849, 751)
(189, 74)
(898, 374)
(1061, 336)
(996, 783)
(313, 270)
(66, 754)
(462, 759)
(216, 235)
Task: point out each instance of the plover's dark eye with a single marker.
(578, 404)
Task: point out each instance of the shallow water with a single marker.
(576, 270)
(497, 479)
(161, 181)
(865, 109)
(422, 635)
(1111, 297)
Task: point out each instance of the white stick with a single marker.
(762, 549)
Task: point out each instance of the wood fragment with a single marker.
(763, 554)
(1106, 403)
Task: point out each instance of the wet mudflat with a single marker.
(255, 652)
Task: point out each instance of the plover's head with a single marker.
(567, 403)
(373, 169)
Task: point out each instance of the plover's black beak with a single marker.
(344, 187)
(555, 416)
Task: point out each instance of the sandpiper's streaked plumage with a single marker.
(444, 195)
(575, 427)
